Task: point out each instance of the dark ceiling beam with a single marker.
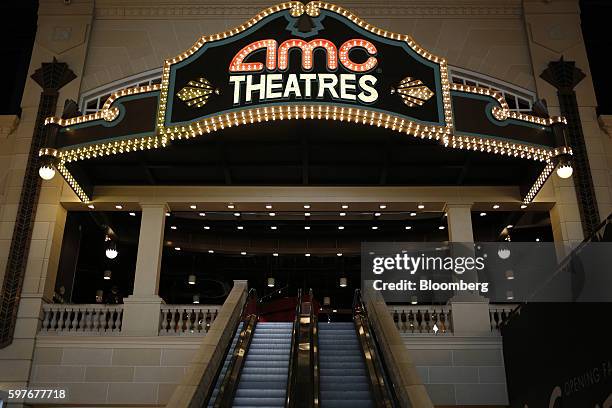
(305, 157)
(386, 159)
(222, 156)
(464, 171)
(147, 171)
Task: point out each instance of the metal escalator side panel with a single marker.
(228, 388)
(223, 369)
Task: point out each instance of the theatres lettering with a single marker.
(254, 86)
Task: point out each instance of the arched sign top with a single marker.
(296, 61)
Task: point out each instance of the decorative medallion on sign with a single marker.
(196, 93)
(413, 92)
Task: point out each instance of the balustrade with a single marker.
(186, 319)
(87, 319)
(422, 319)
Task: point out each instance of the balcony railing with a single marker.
(186, 319)
(416, 319)
(96, 319)
(437, 319)
(87, 319)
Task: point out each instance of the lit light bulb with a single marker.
(504, 253)
(563, 171)
(46, 172)
(111, 253)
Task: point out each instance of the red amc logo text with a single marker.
(277, 57)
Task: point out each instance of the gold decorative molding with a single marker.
(239, 9)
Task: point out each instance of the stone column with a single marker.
(470, 311)
(141, 309)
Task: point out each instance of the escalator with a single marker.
(303, 364)
(263, 381)
(255, 371)
(343, 375)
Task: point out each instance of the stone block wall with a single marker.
(460, 370)
(113, 370)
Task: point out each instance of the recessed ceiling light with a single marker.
(306, 206)
(413, 214)
(272, 214)
(243, 253)
(119, 207)
(374, 227)
(236, 214)
(177, 248)
(377, 214)
(342, 214)
(345, 206)
(523, 206)
(495, 206)
(382, 206)
(441, 227)
(206, 227)
(91, 206)
(202, 214)
(132, 214)
(231, 206)
(306, 227)
(210, 251)
(339, 254)
(509, 226)
(307, 254)
(408, 227)
(306, 214)
(420, 206)
(275, 254)
(482, 214)
(240, 227)
(268, 207)
(340, 227)
(273, 227)
(173, 227)
(193, 206)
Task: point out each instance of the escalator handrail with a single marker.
(227, 390)
(382, 388)
(291, 378)
(314, 350)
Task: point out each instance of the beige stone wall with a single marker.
(62, 33)
(132, 36)
(113, 370)
(553, 30)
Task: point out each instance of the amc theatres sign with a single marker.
(356, 85)
(308, 57)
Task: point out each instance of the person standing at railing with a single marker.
(58, 297)
(114, 297)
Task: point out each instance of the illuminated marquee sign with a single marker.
(316, 61)
(345, 87)
(334, 65)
